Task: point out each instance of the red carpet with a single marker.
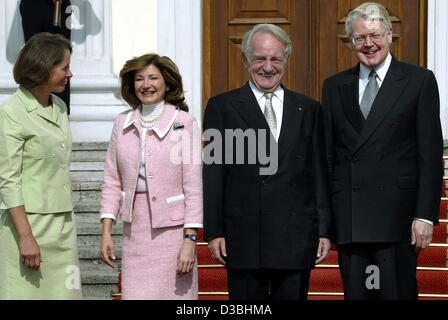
(326, 283)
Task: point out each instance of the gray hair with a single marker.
(368, 11)
(277, 32)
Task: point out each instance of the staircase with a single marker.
(99, 281)
(326, 282)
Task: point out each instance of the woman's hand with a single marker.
(186, 257)
(29, 252)
(28, 248)
(107, 250)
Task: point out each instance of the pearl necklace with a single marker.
(153, 119)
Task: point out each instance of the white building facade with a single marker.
(106, 33)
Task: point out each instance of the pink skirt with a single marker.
(150, 258)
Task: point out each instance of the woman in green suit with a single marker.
(38, 250)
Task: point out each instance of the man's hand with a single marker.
(217, 248)
(323, 249)
(421, 234)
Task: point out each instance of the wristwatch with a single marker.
(192, 237)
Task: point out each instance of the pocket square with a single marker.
(177, 126)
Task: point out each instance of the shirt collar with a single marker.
(150, 108)
(161, 128)
(28, 99)
(278, 92)
(381, 70)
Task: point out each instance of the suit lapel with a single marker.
(55, 115)
(291, 122)
(247, 106)
(350, 100)
(390, 91)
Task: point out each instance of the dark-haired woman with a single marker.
(38, 250)
(153, 183)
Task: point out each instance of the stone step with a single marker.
(89, 266)
(89, 146)
(86, 196)
(96, 298)
(92, 252)
(90, 261)
(87, 186)
(89, 152)
(87, 176)
(95, 277)
(89, 224)
(87, 166)
(94, 240)
(88, 156)
(86, 207)
(99, 291)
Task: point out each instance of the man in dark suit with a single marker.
(38, 16)
(384, 146)
(266, 220)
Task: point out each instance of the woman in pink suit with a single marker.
(153, 183)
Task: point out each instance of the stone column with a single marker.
(94, 87)
(180, 38)
(438, 53)
(11, 40)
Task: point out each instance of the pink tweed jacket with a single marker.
(173, 168)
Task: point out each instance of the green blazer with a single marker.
(34, 155)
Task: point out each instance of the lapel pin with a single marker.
(177, 126)
(300, 108)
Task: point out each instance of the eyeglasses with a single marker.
(263, 59)
(362, 39)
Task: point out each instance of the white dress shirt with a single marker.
(381, 71)
(277, 104)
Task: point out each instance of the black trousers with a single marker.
(378, 271)
(268, 284)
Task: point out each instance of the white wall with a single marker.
(438, 53)
(134, 30)
(120, 29)
(180, 38)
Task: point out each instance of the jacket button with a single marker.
(150, 175)
(356, 189)
(154, 199)
(65, 188)
(63, 145)
(293, 213)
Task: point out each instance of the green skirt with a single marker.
(58, 276)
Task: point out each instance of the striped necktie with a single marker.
(269, 113)
(369, 94)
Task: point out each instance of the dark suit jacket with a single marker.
(386, 170)
(270, 221)
(37, 16)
